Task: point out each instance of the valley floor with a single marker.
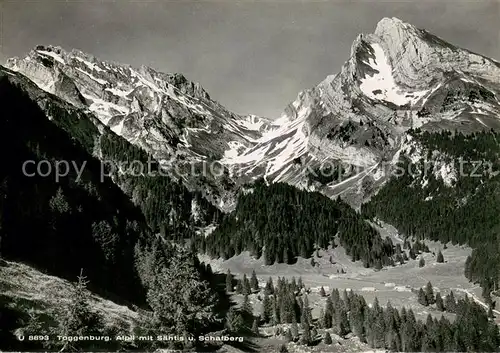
(28, 289)
(24, 286)
(397, 285)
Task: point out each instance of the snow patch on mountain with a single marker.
(290, 148)
(90, 65)
(103, 109)
(52, 55)
(119, 92)
(252, 122)
(117, 129)
(102, 82)
(382, 86)
(235, 149)
(275, 150)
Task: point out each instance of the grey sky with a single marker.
(252, 56)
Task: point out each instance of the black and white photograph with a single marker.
(236, 176)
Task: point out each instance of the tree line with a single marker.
(281, 222)
(286, 306)
(74, 223)
(464, 213)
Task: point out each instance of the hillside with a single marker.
(127, 193)
(281, 223)
(25, 290)
(453, 191)
(65, 221)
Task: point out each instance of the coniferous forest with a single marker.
(82, 227)
(123, 238)
(282, 222)
(345, 313)
(81, 223)
(463, 213)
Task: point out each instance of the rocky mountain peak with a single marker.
(172, 118)
(393, 25)
(46, 61)
(397, 78)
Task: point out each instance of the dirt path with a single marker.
(476, 298)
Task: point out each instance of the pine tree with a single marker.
(304, 316)
(391, 325)
(239, 287)
(288, 335)
(486, 294)
(255, 326)
(439, 302)
(58, 202)
(322, 292)
(275, 320)
(267, 309)
(409, 333)
(328, 338)
(368, 325)
(307, 310)
(300, 304)
(246, 286)
(229, 282)
(34, 324)
(287, 309)
(294, 328)
(413, 256)
(321, 318)
(450, 303)
(379, 330)
(493, 336)
(254, 282)
(293, 285)
(395, 345)
(440, 257)
(357, 316)
(78, 319)
(343, 323)
(376, 306)
(467, 268)
(283, 349)
(458, 343)
(247, 310)
(269, 289)
(347, 302)
(329, 313)
(306, 334)
(426, 345)
(234, 321)
(182, 302)
(421, 262)
(429, 294)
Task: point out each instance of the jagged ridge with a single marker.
(397, 78)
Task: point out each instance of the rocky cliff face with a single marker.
(398, 78)
(340, 137)
(172, 118)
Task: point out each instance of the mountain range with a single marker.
(321, 175)
(398, 78)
